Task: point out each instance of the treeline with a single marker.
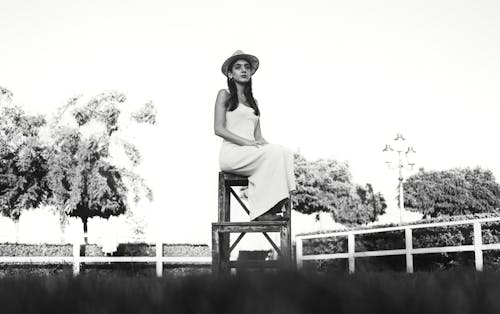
(66, 161)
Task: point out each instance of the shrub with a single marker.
(124, 249)
(422, 238)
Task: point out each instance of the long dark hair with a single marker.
(232, 102)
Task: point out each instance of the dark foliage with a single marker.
(23, 159)
(124, 249)
(420, 293)
(452, 192)
(422, 238)
(325, 185)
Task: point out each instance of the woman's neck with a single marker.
(240, 92)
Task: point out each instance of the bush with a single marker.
(123, 269)
(124, 249)
(17, 249)
(422, 238)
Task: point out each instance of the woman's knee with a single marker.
(274, 151)
(277, 148)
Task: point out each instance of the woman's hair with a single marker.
(232, 102)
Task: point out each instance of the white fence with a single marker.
(76, 259)
(477, 247)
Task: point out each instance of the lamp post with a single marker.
(408, 159)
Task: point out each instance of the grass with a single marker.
(290, 293)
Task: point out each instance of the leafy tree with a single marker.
(147, 114)
(137, 223)
(23, 159)
(84, 179)
(325, 185)
(458, 191)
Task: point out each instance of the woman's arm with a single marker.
(258, 133)
(220, 122)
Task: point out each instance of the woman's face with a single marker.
(241, 71)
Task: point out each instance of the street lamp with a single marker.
(400, 146)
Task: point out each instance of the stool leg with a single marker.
(224, 200)
(220, 252)
(285, 246)
(286, 238)
(224, 252)
(224, 215)
(216, 258)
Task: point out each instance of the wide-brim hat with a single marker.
(237, 55)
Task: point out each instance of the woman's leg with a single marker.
(272, 213)
(270, 175)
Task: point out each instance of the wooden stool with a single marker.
(221, 230)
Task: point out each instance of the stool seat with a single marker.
(232, 179)
(251, 226)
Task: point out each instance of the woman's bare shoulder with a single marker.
(223, 93)
(223, 96)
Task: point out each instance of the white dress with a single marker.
(269, 168)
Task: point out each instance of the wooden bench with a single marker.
(221, 230)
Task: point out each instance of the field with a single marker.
(377, 292)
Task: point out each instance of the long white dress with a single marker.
(269, 168)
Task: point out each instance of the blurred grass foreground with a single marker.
(385, 292)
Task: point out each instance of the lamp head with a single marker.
(388, 154)
(400, 143)
(410, 156)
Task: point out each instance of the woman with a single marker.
(244, 151)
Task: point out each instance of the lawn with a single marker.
(378, 292)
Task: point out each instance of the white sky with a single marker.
(337, 79)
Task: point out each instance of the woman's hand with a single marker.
(257, 143)
(261, 141)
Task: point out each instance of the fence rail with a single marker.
(77, 260)
(477, 247)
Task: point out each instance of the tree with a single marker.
(458, 191)
(23, 159)
(137, 223)
(325, 185)
(84, 179)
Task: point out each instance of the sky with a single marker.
(337, 79)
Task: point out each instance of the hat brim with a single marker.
(250, 58)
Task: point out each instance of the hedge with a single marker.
(422, 238)
(124, 249)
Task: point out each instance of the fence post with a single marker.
(298, 252)
(76, 258)
(159, 255)
(478, 246)
(350, 252)
(409, 248)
